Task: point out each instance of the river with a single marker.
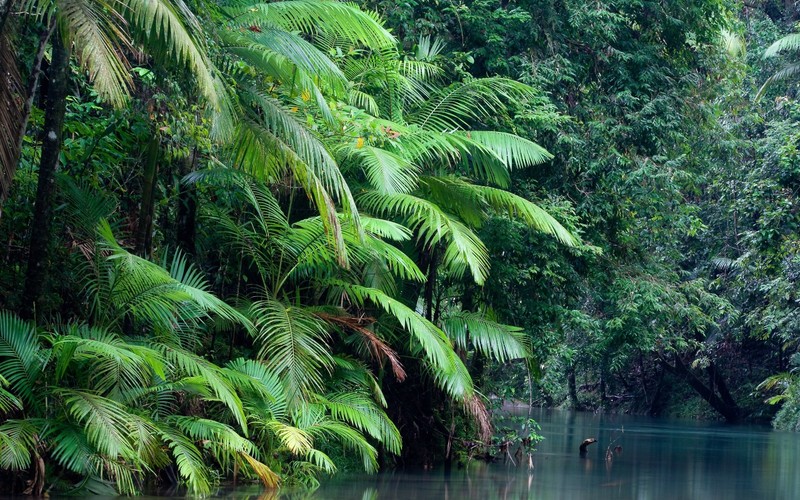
(659, 459)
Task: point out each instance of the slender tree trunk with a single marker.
(187, 207)
(430, 284)
(54, 111)
(144, 229)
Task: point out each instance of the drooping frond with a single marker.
(270, 49)
(359, 411)
(446, 367)
(8, 402)
(263, 388)
(100, 40)
(17, 441)
(514, 151)
(342, 20)
(256, 145)
(463, 249)
(377, 348)
(169, 31)
(12, 97)
(492, 339)
(295, 439)
(387, 172)
(528, 212)
(112, 365)
(454, 107)
(191, 464)
(315, 255)
(789, 43)
(211, 375)
(785, 73)
(104, 422)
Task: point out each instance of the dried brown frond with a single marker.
(379, 350)
(12, 99)
(475, 408)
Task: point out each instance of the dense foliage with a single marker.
(255, 240)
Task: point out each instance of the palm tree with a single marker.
(789, 43)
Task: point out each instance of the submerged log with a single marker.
(586, 442)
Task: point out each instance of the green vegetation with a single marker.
(246, 240)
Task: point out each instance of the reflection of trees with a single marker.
(661, 459)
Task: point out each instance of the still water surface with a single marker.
(660, 459)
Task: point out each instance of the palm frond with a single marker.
(530, 213)
(342, 20)
(783, 74)
(191, 464)
(170, 32)
(514, 151)
(359, 411)
(109, 362)
(213, 376)
(293, 343)
(18, 438)
(463, 249)
(492, 339)
(146, 292)
(104, 422)
(454, 107)
(101, 42)
(387, 172)
(295, 439)
(789, 42)
(12, 97)
(269, 48)
(20, 360)
(446, 367)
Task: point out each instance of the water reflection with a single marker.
(658, 460)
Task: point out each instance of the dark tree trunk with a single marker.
(144, 228)
(55, 109)
(723, 404)
(430, 284)
(573, 388)
(187, 207)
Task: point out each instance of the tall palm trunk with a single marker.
(144, 229)
(187, 206)
(55, 109)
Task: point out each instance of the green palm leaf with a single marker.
(455, 106)
(512, 150)
(314, 16)
(20, 356)
(101, 40)
(463, 249)
(105, 422)
(168, 29)
(359, 411)
(492, 339)
(294, 345)
(527, 211)
(18, 438)
(191, 465)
